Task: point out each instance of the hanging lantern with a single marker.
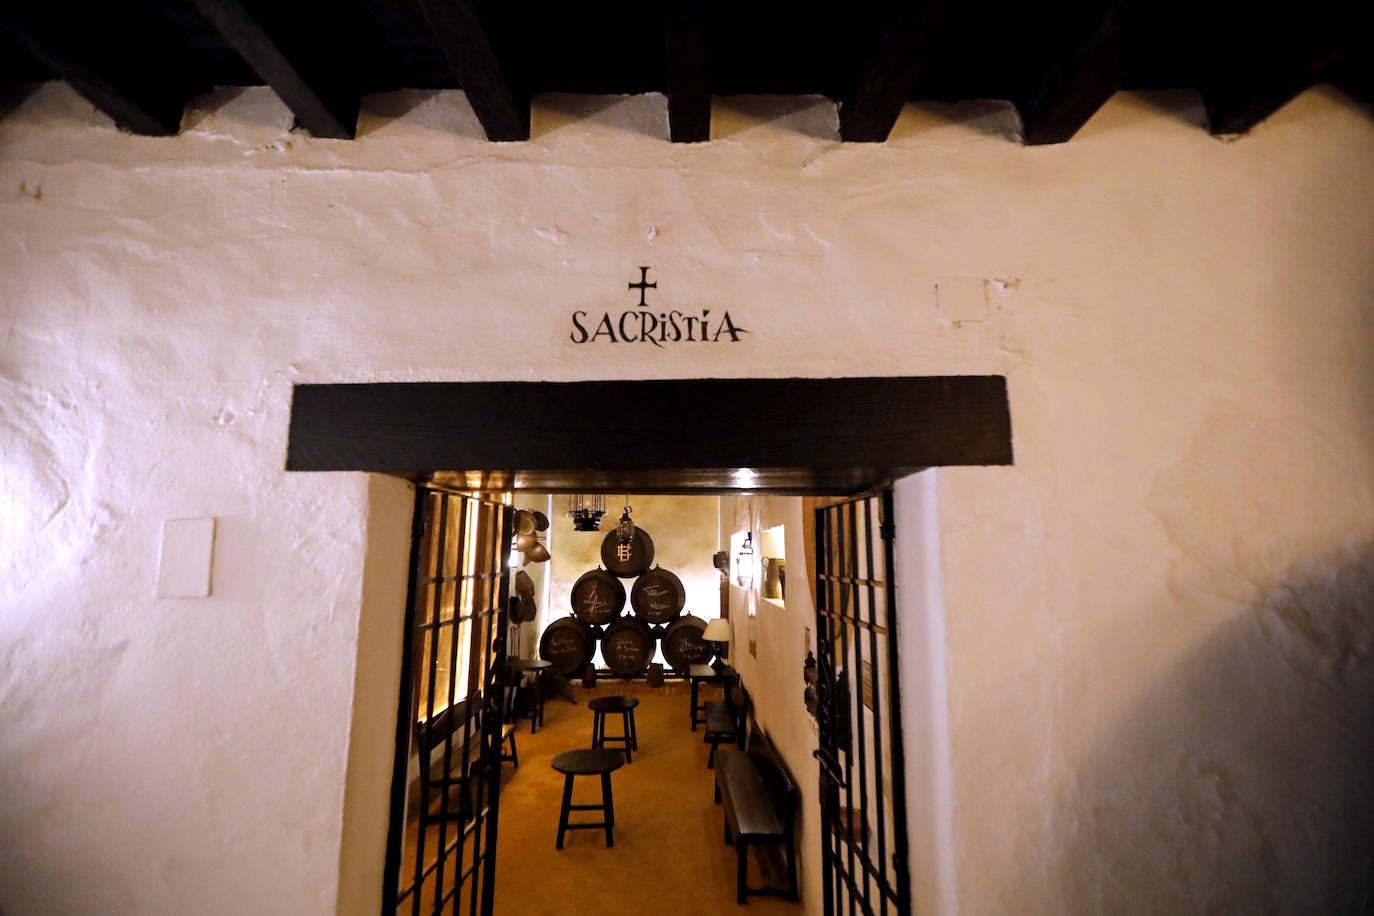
(586, 511)
(744, 562)
(625, 531)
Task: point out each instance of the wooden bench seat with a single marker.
(725, 720)
(760, 800)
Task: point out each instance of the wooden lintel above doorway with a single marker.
(790, 435)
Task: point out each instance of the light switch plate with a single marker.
(188, 549)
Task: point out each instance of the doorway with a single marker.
(833, 437)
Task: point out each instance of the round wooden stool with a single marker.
(587, 762)
(521, 666)
(604, 706)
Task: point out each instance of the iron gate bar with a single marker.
(458, 541)
(855, 562)
(428, 688)
(849, 555)
(392, 894)
(453, 625)
(877, 706)
(863, 548)
(896, 748)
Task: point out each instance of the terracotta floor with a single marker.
(669, 856)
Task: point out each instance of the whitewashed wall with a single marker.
(1157, 621)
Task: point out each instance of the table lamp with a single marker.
(718, 632)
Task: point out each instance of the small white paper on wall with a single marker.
(187, 552)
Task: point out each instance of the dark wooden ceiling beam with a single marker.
(1354, 75)
(1235, 108)
(1260, 65)
(1238, 106)
(108, 63)
(689, 71)
(466, 45)
(323, 99)
(1078, 83)
(905, 44)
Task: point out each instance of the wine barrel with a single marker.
(628, 646)
(683, 645)
(631, 560)
(597, 596)
(567, 643)
(658, 596)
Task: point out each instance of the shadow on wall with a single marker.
(1244, 781)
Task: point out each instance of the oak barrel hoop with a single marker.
(683, 645)
(631, 561)
(628, 647)
(658, 596)
(568, 644)
(597, 597)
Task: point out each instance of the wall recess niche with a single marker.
(773, 565)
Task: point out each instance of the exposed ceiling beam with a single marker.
(108, 65)
(1080, 82)
(322, 99)
(1236, 108)
(11, 97)
(1256, 65)
(689, 71)
(1354, 75)
(458, 30)
(904, 47)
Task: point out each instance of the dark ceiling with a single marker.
(141, 60)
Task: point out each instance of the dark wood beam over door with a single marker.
(906, 39)
(122, 66)
(845, 433)
(1080, 82)
(689, 70)
(471, 55)
(308, 70)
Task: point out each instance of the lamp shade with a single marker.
(717, 630)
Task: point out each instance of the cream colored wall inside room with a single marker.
(772, 669)
(1156, 622)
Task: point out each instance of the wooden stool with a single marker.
(588, 762)
(519, 667)
(628, 737)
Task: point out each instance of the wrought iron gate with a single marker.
(862, 778)
(447, 779)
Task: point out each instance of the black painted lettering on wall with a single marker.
(641, 324)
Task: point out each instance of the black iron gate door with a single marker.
(447, 781)
(863, 795)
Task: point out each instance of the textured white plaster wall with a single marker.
(1157, 620)
(924, 682)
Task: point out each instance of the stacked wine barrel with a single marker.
(628, 641)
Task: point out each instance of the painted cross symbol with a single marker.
(643, 285)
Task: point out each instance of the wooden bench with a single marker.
(725, 720)
(760, 798)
